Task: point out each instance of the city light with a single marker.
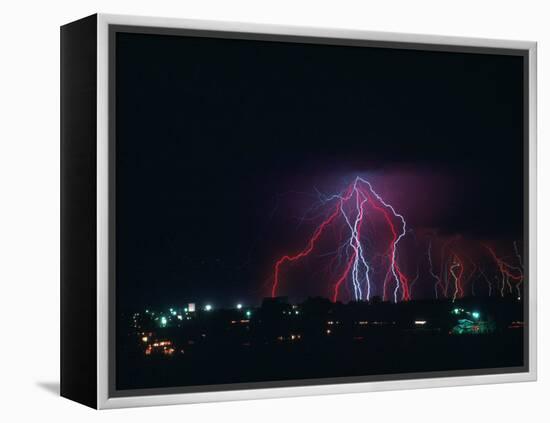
(203, 327)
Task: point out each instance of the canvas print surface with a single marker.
(290, 212)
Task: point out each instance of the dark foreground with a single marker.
(379, 341)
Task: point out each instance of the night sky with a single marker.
(222, 146)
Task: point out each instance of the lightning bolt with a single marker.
(310, 246)
(362, 194)
(507, 271)
(457, 277)
(436, 277)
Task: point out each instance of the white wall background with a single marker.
(29, 207)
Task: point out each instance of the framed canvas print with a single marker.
(253, 211)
